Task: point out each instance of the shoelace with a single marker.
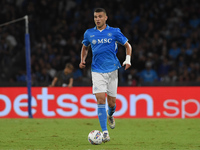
(111, 119)
(105, 135)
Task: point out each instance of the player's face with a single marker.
(100, 20)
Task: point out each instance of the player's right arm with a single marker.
(84, 49)
(84, 53)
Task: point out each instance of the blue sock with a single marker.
(111, 110)
(102, 116)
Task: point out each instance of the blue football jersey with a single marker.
(104, 44)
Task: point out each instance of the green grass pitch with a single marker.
(71, 134)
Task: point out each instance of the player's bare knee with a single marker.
(101, 101)
(111, 105)
(111, 101)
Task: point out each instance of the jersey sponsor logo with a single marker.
(105, 40)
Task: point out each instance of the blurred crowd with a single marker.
(164, 34)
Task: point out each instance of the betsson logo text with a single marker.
(84, 107)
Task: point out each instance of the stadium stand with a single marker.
(164, 34)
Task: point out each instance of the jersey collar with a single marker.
(107, 27)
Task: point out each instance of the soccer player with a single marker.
(105, 64)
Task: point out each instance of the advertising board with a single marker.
(79, 102)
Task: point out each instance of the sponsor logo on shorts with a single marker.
(95, 88)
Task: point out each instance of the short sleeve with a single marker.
(120, 37)
(85, 41)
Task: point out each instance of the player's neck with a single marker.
(102, 27)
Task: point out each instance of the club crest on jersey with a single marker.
(109, 34)
(94, 41)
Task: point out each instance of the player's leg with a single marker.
(102, 115)
(102, 110)
(111, 109)
(99, 89)
(111, 105)
(111, 98)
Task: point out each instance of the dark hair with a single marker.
(100, 10)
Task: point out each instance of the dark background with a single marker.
(163, 33)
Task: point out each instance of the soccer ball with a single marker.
(95, 137)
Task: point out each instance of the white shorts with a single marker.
(105, 83)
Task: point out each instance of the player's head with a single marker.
(68, 68)
(100, 18)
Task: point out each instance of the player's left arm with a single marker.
(127, 62)
(84, 53)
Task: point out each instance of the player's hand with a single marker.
(127, 62)
(82, 64)
(127, 66)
